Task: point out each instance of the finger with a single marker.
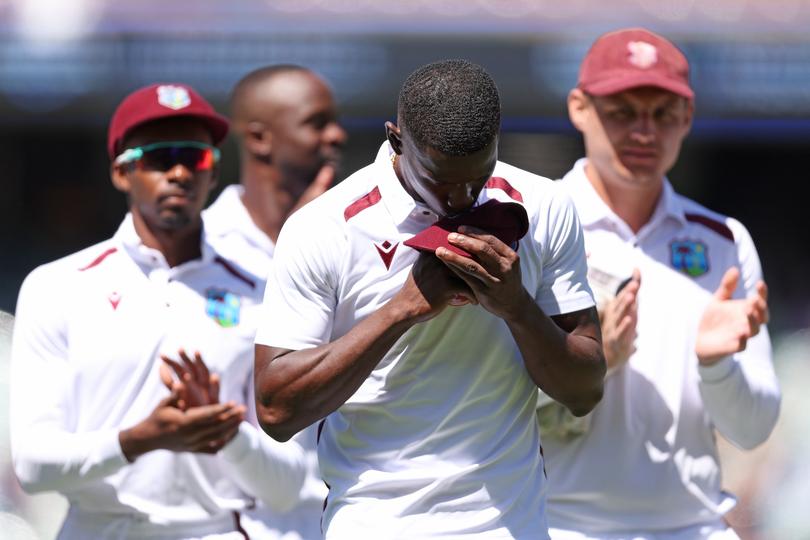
(464, 266)
(188, 365)
(626, 327)
(497, 245)
(213, 388)
(481, 249)
(178, 369)
(728, 284)
(166, 376)
(762, 290)
(201, 369)
(202, 435)
(322, 182)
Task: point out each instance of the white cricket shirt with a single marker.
(232, 232)
(89, 333)
(440, 440)
(648, 460)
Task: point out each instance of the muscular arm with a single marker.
(563, 354)
(296, 388)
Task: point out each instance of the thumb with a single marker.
(728, 284)
(322, 182)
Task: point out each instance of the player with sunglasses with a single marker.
(132, 358)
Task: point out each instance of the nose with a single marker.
(179, 173)
(460, 198)
(644, 129)
(334, 135)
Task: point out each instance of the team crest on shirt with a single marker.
(690, 257)
(173, 97)
(223, 306)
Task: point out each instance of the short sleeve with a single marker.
(564, 285)
(300, 298)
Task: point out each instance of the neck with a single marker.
(267, 203)
(177, 246)
(633, 204)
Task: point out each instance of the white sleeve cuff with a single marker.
(241, 444)
(718, 371)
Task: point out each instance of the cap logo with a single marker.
(173, 97)
(643, 55)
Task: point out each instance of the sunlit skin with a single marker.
(296, 388)
(291, 145)
(166, 205)
(632, 139)
(446, 184)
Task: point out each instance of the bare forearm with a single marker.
(566, 362)
(297, 388)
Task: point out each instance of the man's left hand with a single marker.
(493, 272)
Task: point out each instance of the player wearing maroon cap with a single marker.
(92, 416)
(683, 310)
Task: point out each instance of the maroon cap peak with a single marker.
(159, 101)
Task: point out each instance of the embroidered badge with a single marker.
(173, 97)
(643, 55)
(386, 251)
(223, 306)
(690, 257)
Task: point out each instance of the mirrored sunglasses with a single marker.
(162, 156)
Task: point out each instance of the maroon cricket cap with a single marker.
(631, 58)
(158, 101)
(507, 221)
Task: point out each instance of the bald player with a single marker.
(290, 145)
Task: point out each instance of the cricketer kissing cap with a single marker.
(507, 221)
(158, 101)
(632, 58)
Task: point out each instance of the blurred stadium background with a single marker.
(65, 64)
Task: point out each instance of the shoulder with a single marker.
(332, 210)
(713, 223)
(70, 273)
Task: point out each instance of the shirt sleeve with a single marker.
(741, 392)
(300, 298)
(46, 453)
(564, 285)
(273, 472)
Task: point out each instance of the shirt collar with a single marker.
(229, 214)
(400, 203)
(592, 209)
(128, 238)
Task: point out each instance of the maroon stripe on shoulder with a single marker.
(369, 199)
(717, 226)
(496, 182)
(98, 260)
(234, 272)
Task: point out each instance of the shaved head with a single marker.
(255, 90)
(286, 118)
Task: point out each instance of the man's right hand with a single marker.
(206, 429)
(431, 287)
(618, 319)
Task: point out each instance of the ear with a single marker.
(120, 179)
(578, 105)
(258, 139)
(394, 136)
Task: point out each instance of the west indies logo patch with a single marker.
(223, 306)
(690, 257)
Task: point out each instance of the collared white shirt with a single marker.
(648, 460)
(89, 333)
(440, 440)
(231, 230)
